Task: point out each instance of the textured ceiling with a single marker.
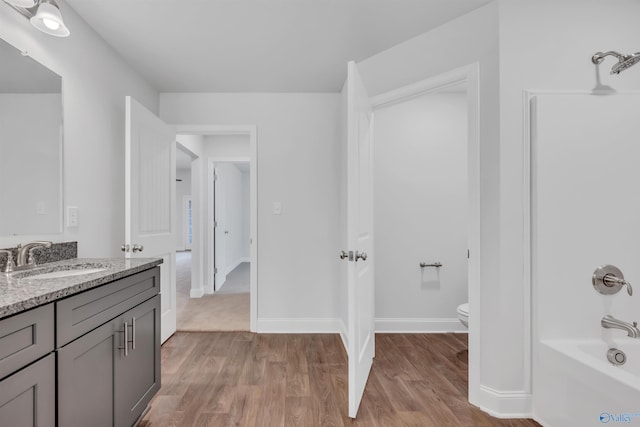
(258, 45)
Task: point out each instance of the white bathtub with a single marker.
(577, 386)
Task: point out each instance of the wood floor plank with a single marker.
(253, 380)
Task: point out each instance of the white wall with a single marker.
(95, 81)
(183, 188)
(421, 210)
(227, 145)
(231, 178)
(497, 374)
(297, 142)
(31, 199)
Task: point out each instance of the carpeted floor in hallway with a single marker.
(226, 310)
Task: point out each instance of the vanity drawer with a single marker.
(84, 312)
(25, 337)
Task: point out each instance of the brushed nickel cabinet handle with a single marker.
(133, 333)
(125, 331)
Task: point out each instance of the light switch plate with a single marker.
(277, 208)
(72, 216)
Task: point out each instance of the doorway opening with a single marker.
(421, 203)
(229, 211)
(223, 288)
(464, 77)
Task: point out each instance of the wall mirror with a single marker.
(30, 146)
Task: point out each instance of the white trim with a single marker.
(344, 334)
(505, 404)
(252, 131)
(300, 326)
(186, 199)
(419, 325)
(527, 303)
(196, 293)
(470, 75)
(430, 85)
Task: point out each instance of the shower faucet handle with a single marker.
(611, 281)
(608, 279)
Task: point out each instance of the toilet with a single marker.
(463, 314)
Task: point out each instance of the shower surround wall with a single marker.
(584, 213)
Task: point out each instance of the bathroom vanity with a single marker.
(80, 339)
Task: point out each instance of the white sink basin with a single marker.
(66, 273)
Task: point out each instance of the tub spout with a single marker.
(610, 322)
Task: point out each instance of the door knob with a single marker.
(137, 248)
(361, 255)
(345, 255)
(124, 248)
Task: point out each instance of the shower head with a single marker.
(624, 61)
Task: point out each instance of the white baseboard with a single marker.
(419, 325)
(300, 326)
(344, 335)
(505, 404)
(196, 293)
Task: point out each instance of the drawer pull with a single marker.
(133, 333)
(125, 331)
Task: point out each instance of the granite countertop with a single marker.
(19, 291)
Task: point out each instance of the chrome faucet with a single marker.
(610, 322)
(24, 258)
(10, 264)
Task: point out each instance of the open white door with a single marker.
(220, 231)
(150, 193)
(360, 304)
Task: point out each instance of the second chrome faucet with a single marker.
(24, 258)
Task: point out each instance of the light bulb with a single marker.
(51, 24)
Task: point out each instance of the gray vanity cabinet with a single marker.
(28, 389)
(107, 376)
(28, 397)
(137, 374)
(85, 379)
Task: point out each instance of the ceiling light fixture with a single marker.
(43, 14)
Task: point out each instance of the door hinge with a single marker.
(215, 177)
(215, 270)
(215, 223)
(468, 253)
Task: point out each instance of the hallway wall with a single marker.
(297, 146)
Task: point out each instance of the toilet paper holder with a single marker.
(435, 264)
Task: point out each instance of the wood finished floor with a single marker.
(244, 379)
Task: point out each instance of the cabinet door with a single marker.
(85, 379)
(137, 373)
(28, 397)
